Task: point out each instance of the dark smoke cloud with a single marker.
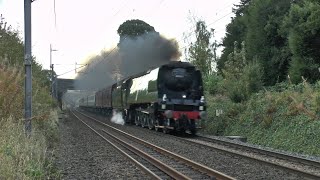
(132, 56)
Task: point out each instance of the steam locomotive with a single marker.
(169, 97)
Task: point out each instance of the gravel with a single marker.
(84, 155)
(234, 166)
(314, 158)
(81, 154)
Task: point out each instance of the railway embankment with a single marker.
(284, 117)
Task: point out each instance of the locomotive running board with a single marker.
(163, 127)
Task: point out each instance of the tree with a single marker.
(133, 28)
(241, 8)
(201, 52)
(302, 25)
(235, 32)
(242, 78)
(11, 46)
(264, 41)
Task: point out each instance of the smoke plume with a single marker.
(130, 57)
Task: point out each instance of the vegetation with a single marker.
(22, 157)
(267, 82)
(201, 53)
(133, 28)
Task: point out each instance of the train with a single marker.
(168, 98)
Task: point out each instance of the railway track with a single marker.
(305, 167)
(155, 161)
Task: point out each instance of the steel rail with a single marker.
(165, 168)
(141, 166)
(302, 173)
(266, 152)
(210, 172)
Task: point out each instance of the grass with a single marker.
(22, 157)
(287, 118)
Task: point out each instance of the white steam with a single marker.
(117, 118)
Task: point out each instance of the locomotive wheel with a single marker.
(137, 119)
(129, 116)
(165, 130)
(150, 122)
(156, 128)
(193, 132)
(144, 120)
(124, 116)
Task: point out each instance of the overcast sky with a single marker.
(78, 28)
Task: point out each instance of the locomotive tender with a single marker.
(169, 97)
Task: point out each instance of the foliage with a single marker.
(284, 117)
(11, 93)
(235, 32)
(303, 28)
(213, 84)
(217, 123)
(278, 53)
(134, 28)
(241, 78)
(264, 40)
(241, 8)
(286, 120)
(260, 24)
(12, 53)
(202, 52)
(22, 157)
(11, 47)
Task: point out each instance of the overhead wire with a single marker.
(108, 53)
(210, 24)
(124, 41)
(55, 14)
(191, 33)
(220, 18)
(72, 70)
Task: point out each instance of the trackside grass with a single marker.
(22, 157)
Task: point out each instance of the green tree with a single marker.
(11, 47)
(133, 28)
(264, 42)
(202, 51)
(235, 32)
(12, 53)
(303, 29)
(242, 78)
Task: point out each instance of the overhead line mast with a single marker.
(28, 68)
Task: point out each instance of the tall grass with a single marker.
(22, 157)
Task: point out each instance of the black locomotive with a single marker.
(169, 97)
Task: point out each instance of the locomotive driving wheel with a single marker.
(130, 116)
(137, 119)
(143, 120)
(165, 130)
(150, 122)
(156, 125)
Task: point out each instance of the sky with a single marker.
(78, 29)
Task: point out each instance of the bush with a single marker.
(286, 120)
(213, 84)
(22, 157)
